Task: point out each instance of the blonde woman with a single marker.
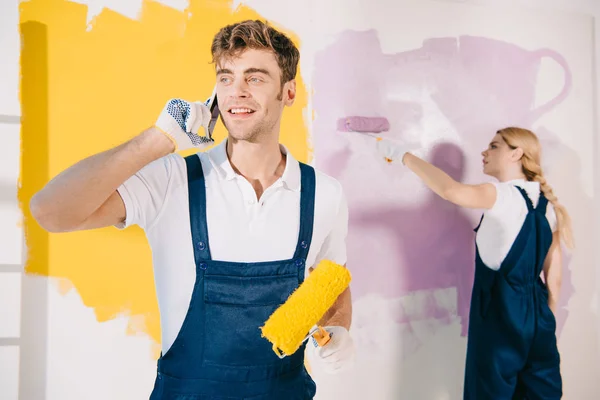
(511, 351)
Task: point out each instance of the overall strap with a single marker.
(526, 197)
(542, 204)
(479, 224)
(197, 200)
(307, 212)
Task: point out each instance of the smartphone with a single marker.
(213, 106)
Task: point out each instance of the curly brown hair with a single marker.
(233, 39)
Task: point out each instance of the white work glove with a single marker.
(393, 151)
(388, 150)
(338, 354)
(182, 121)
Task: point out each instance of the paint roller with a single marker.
(363, 124)
(287, 327)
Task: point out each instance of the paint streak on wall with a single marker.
(106, 85)
(449, 96)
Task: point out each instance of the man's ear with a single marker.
(289, 92)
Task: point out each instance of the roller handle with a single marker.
(321, 336)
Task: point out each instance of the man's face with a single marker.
(250, 95)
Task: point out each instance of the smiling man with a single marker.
(233, 230)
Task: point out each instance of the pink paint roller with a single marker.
(363, 124)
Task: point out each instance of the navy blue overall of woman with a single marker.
(219, 352)
(511, 350)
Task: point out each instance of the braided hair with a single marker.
(530, 161)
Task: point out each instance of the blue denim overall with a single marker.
(219, 353)
(511, 348)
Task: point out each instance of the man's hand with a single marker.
(181, 121)
(338, 354)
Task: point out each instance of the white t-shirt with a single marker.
(502, 223)
(241, 228)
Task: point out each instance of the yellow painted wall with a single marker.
(104, 86)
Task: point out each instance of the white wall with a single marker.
(122, 361)
(10, 231)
